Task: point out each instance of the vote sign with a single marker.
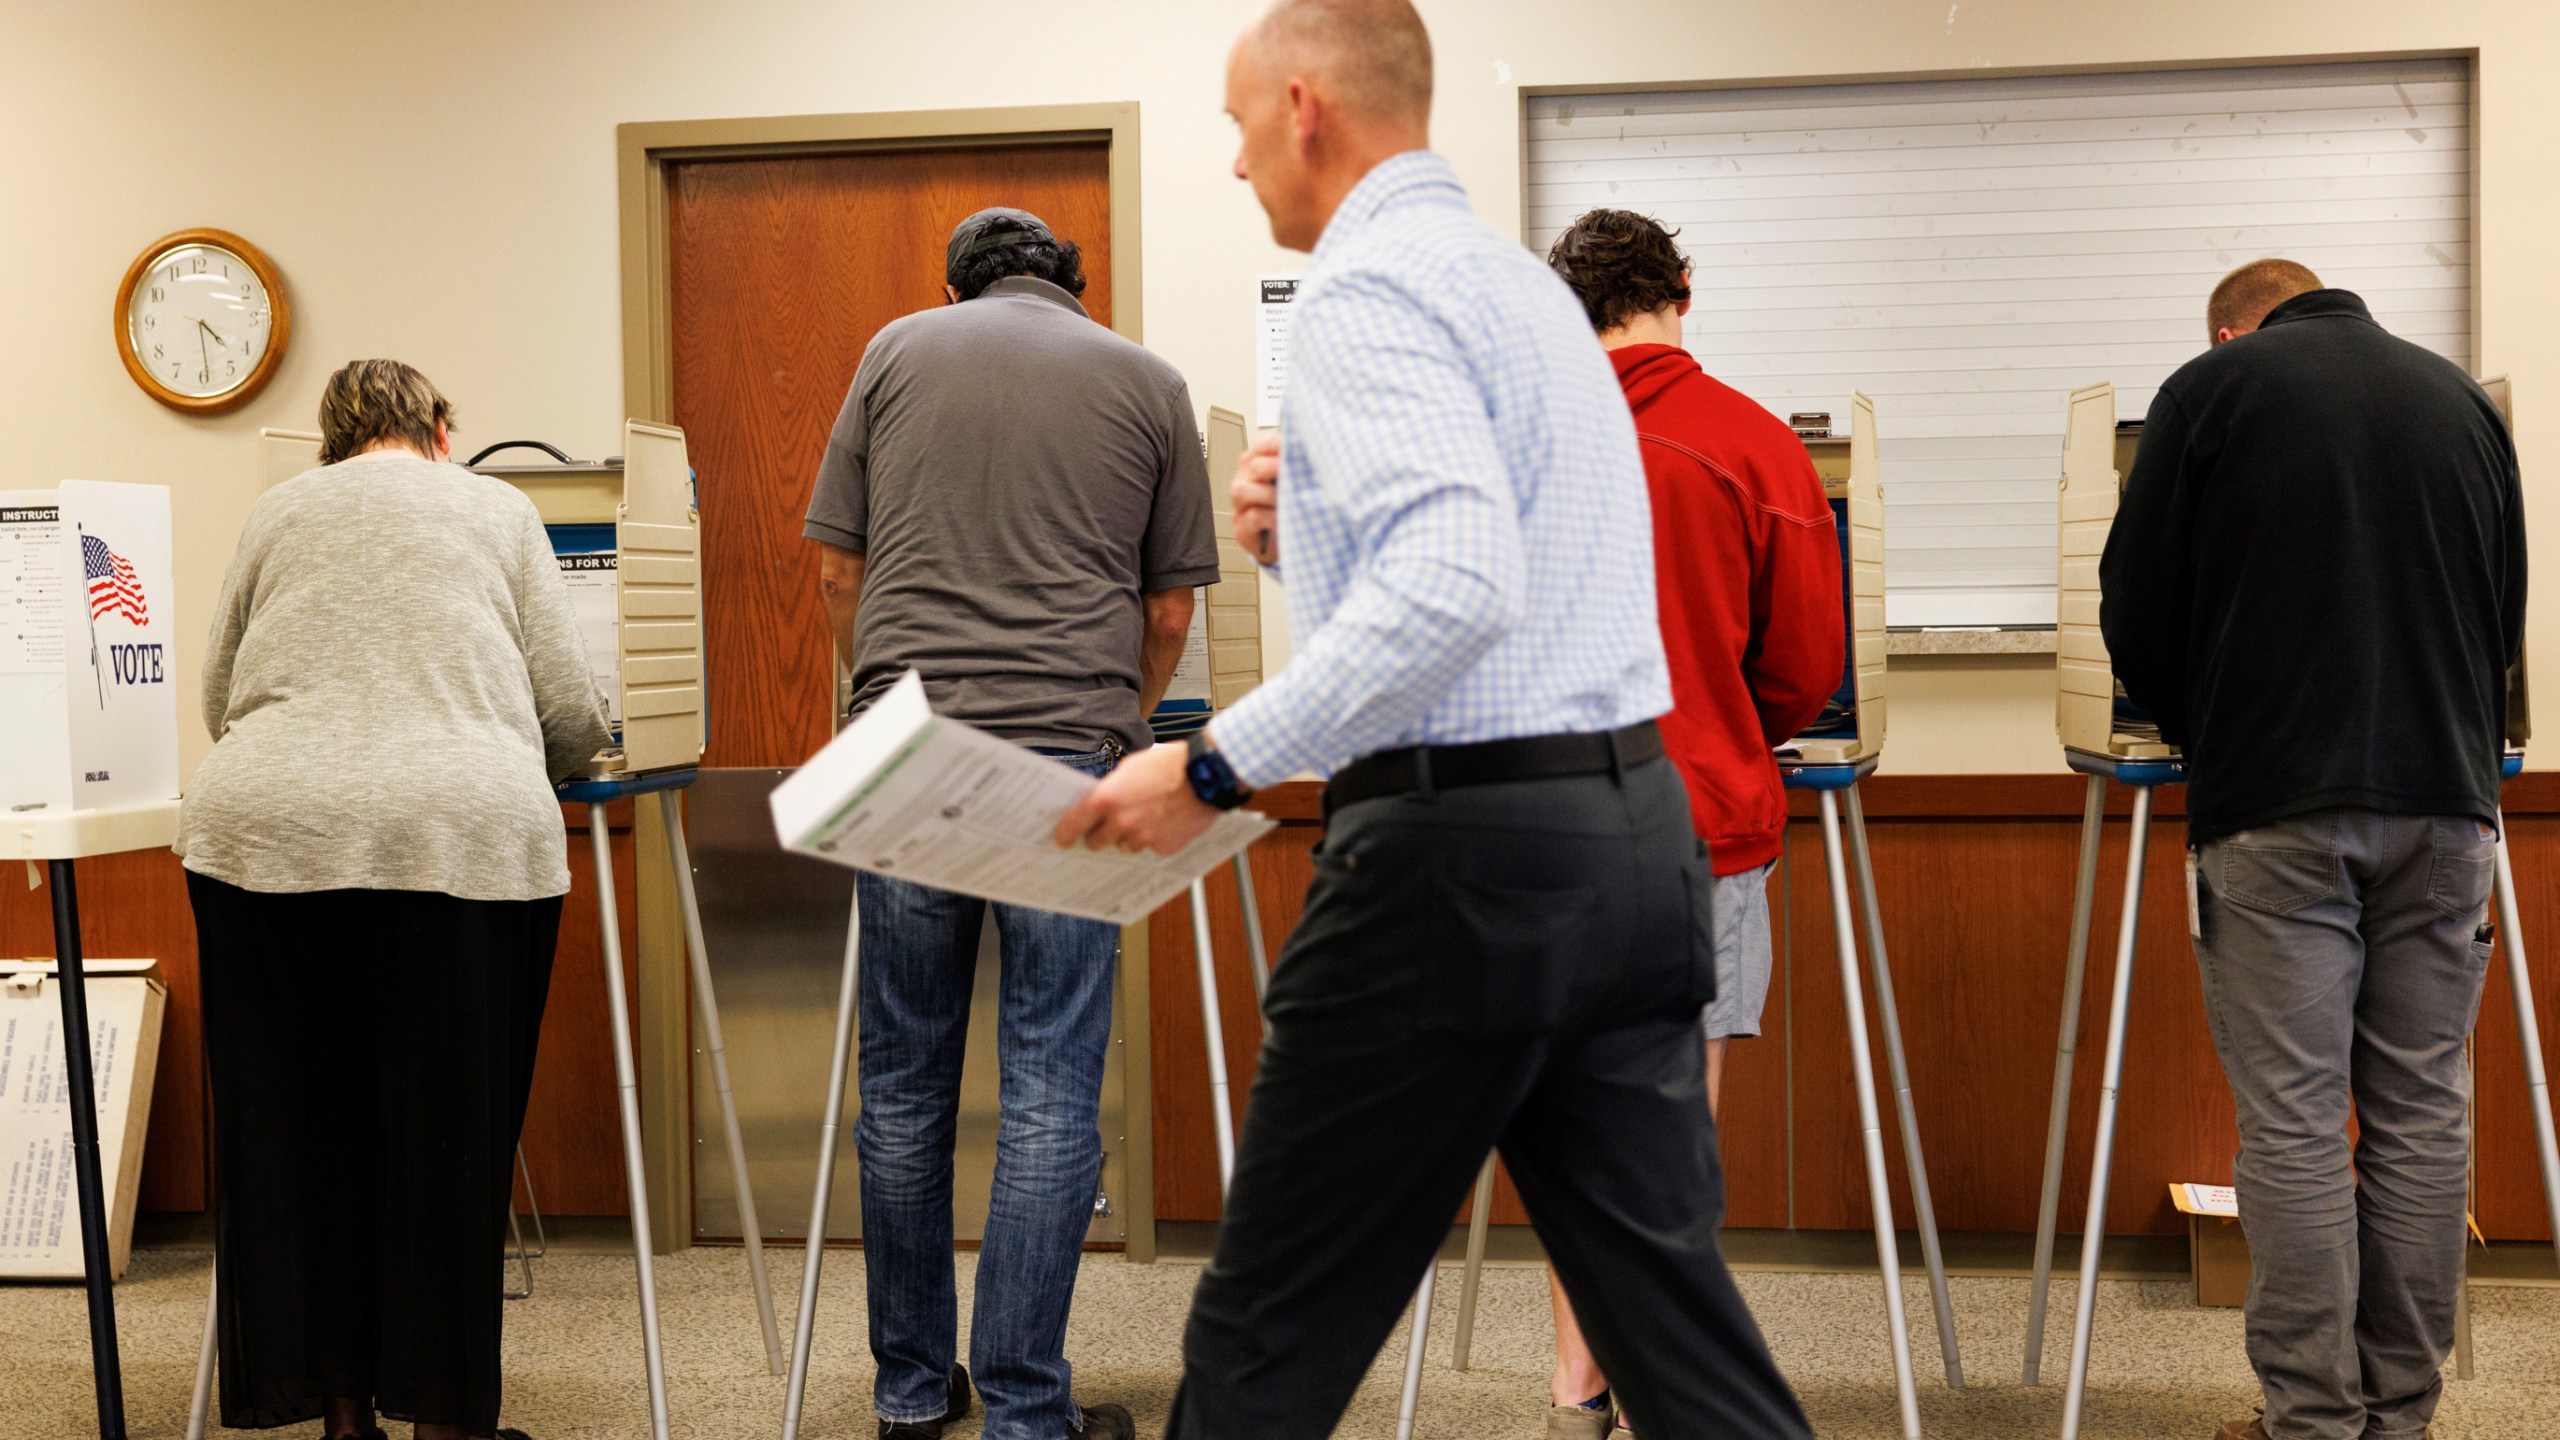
(88, 690)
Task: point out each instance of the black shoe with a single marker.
(1106, 1422)
(956, 1408)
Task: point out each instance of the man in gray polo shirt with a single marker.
(1015, 504)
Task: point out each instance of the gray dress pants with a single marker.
(2343, 953)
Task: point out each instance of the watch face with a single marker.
(200, 320)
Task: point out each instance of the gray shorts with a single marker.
(1738, 917)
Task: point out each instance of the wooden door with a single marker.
(780, 270)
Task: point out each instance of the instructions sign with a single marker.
(1272, 316)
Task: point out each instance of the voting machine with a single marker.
(1852, 726)
(628, 537)
(1222, 659)
(2091, 712)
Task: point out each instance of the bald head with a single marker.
(2245, 296)
(1322, 92)
(1372, 56)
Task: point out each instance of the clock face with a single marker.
(200, 320)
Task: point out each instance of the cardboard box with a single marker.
(2217, 1248)
(39, 1196)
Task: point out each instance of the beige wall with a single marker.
(437, 183)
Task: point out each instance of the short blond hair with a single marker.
(1376, 52)
(368, 401)
(2245, 295)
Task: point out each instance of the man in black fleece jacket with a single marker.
(2316, 584)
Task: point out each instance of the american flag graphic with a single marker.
(114, 588)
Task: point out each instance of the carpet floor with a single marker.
(2162, 1367)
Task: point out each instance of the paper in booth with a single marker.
(906, 793)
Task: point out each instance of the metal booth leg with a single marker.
(2110, 1079)
(2093, 814)
(2528, 1032)
(200, 1408)
(1415, 1341)
(1925, 1212)
(71, 983)
(1221, 1118)
(1252, 908)
(1479, 1220)
(627, 1084)
(707, 1009)
(533, 1207)
(840, 1061)
(1871, 1129)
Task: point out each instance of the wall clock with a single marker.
(201, 321)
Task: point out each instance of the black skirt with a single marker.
(370, 1054)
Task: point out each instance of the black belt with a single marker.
(1421, 769)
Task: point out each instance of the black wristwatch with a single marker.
(1211, 777)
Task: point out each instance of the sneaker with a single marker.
(953, 1409)
(1579, 1422)
(1105, 1422)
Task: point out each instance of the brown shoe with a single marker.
(1578, 1422)
(2253, 1428)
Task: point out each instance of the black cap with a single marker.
(996, 225)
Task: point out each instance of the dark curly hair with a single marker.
(1620, 265)
(1057, 261)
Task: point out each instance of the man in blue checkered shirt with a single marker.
(1498, 948)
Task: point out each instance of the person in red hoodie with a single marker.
(1747, 582)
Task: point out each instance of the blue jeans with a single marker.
(919, 955)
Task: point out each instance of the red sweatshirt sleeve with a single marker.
(1793, 660)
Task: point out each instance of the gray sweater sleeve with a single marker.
(565, 700)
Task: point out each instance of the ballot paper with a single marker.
(906, 793)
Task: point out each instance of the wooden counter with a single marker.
(1974, 877)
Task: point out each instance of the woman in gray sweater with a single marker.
(376, 863)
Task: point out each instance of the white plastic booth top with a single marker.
(1853, 479)
(646, 494)
(2097, 455)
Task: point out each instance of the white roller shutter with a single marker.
(1968, 252)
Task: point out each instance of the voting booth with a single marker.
(1852, 728)
(88, 706)
(626, 533)
(2106, 737)
(1222, 656)
(1842, 747)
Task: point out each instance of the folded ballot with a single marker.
(907, 793)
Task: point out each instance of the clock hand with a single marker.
(218, 337)
(208, 360)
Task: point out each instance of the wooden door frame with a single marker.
(643, 151)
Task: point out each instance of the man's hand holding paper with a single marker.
(922, 797)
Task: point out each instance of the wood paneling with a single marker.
(136, 905)
(780, 270)
(131, 906)
(1974, 878)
